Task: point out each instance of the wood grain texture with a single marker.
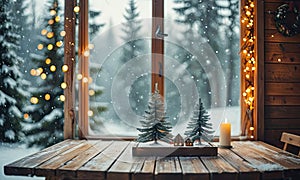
(281, 124)
(282, 100)
(193, 168)
(100, 164)
(284, 73)
(219, 169)
(168, 168)
(282, 89)
(282, 48)
(289, 112)
(27, 165)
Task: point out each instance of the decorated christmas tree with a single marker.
(155, 127)
(45, 114)
(12, 85)
(199, 127)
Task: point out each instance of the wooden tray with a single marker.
(143, 151)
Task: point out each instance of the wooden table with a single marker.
(85, 159)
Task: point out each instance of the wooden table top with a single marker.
(87, 159)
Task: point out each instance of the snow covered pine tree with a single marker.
(155, 127)
(46, 115)
(199, 128)
(12, 93)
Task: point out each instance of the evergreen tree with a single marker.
(12, 92)
(131, 28)
(46, 111)
(133, 47)
(199, 127)
(94, 26)
(155, 127)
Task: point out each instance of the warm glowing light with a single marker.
(79, 76)
(26, 116)
(279, 60)
(63, 33)
(63, 85)
(244, 94)
(91, 92)
(40, 46)
(57, 19)
(272, 35)
(39, 71)
(62, 98)
(76, 9)
(251, 137)
(51, 21)
(48, 61)
(53, 68)
(50, 35)
(245, 51)
(44, 32)
(34, 100)
(90, 80)
(52, 12)
(91, 46)
(50, 47)
(248, 13)
(85, 80)
(33, 72)
(65, 68)
(251, 128)
(59, 43)
(43, 76)
(47, 97)
(90, 113)
(86, 53)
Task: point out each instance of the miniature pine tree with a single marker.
(155, 127)
(199, 127)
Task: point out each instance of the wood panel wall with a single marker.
(282, 79)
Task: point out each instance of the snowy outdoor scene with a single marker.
(201, 61)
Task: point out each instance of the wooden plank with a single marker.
(282, 57)
(277, 112)
(125, 165)
(69, 60)
(141, 151)
(290, 174)
(146, 172)
(287, 161)
(26, 165)
(283, 48)
(273, 124)
(246, 171)
(272, 35)
(284, 73)
(168, 168)
(269, 20)
(99, 165)
(49, 167)
(193, 168)
(69, 169)
(282, 88)
(267, 168)
(282, 100)
(219, 169)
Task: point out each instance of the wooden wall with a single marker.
(282, 79)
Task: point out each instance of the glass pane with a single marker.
(119, 66)
(202, 48)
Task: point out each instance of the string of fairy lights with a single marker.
(248, 56)
(39, 71)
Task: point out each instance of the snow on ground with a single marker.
(11, 152)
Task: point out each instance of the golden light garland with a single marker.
(248, 59)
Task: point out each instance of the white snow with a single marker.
(10, 134)
(10, 153)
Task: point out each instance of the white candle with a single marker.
(225, 134)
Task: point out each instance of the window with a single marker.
(200, 54)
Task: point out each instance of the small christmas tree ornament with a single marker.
(199, 127)
(155, 127)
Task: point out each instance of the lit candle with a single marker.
(225, 134)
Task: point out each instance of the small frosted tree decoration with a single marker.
(199, 127)
(154, 124)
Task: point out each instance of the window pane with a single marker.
(203, 50)
(120, 66)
